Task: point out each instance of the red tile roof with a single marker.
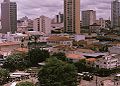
(9, 43)
(75, 56)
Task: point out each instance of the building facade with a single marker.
(101, 22)
(8, 16)
(42, 24)
(88, 17)
(59, 40)
(72, 16)
(108, 61)
(58, 18)
(115, 13)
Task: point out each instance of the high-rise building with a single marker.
(8, 16)
(115, 13)
(88, 17)
(72, 16)
(59, 18)
(42, 24)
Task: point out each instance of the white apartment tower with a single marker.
(42, 24)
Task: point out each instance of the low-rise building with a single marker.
(114, 50)
(108, 61)
(94, 28)
(6, 48)
(75, 57)
(59, 40)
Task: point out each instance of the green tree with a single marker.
(60, 56)
(4, 76)
(16, 61)
(57, 73)
(104, 72)
(37, 55)
(81, 65)
(25, 84)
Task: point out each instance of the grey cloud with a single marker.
(35, 8)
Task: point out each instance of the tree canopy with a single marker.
(4, 76)
(16, 61)
(60, 56)
(25, 84)
(57, 73)
(37, 55)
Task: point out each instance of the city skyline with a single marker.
(35, 8)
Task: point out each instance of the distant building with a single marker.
(57, 22)
(101, 22)
(94, 28)
(24, 18)
(59, 40)
(72, 16)
(115, 13)
(88, 17)
(8, 16)
(42, 24)
(58, 18)
(107, 24)
(24, 24)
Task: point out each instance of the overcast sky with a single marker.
(35, 8)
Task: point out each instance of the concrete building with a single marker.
(88, 17)
(57, 25)
(58, 18)
(24, 24)
(101, 22)
(72, 16)
(114, 50)
(108, 61)
(59, 40)
(8, 16)
(7, 48)
(42, 24)
(94, 28)
(115, 13)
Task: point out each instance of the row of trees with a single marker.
(22, 61)
(58, 69)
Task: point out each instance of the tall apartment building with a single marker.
(115, 13)
(59, 18)
(8, 16)
(88, 17)
(72, 16)
(42, 24)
